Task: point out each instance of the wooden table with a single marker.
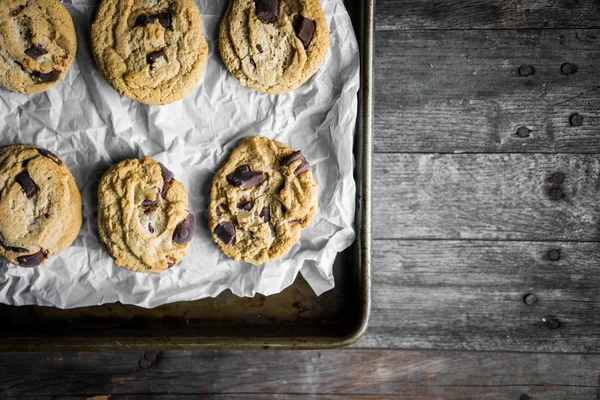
(486, 227)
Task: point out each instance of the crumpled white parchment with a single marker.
(90, 126)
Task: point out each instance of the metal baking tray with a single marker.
(293, 319)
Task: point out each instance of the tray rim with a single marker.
(363, 243)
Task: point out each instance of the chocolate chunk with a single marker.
(167, 178)
(51, 76)
(226, 232)
(27, 184)
(170, 265)
(220, 209)
(265, 214)
(302, 168)
(297, 156)
(298, 221)
(19, 250)
(50, 155)
(147, 202)
(245, 178)
(32, 260)
(245, 205)
(153, 57)
(185, 230)
(150, 227)
(266, 10)
(253, 63)
(36, 51)
(259, 48)
(163, 18)
(305, 30)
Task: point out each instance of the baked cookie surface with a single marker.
(273, 46)
(40, 205)
(152, 51)
(261, 200)
(143, 216)
(37, 44)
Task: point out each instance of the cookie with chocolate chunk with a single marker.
(152, 51)
(273, 46)
(37, 44)
(261, 200)
(40, 205)
(143, 216)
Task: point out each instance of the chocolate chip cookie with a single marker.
(273, 46)
(261, 200)
(143, 216)
(152, 51)
(40, 205)
(37, 44)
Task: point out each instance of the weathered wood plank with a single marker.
(485, 196)
(204, 396)
(460, 91)
(469, 295)
(487, 14)
(401, 374)
(210, 396)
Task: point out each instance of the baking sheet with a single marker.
(90, 126)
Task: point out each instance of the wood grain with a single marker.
(487, 14)
(485, 196)
(210, 396)
(460, 91)
(469, 295)
(403, 374)
(337, 374)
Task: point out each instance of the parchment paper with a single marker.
(90, 126)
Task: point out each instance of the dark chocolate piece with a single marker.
(265, 214)
(153, 57)
(226, 232)
(51, 76)
(167, 178)
(297, 156)
(185, 230)
(27, 184)
(245, 178)
(162, 18)
(150, 227)
(305, 30)
(50, 155)
(35, 51)
(31, 260)
(266, 10)
(19, 250)
(302, 168)
(245, 205)
(147, 202)
(220, 209)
